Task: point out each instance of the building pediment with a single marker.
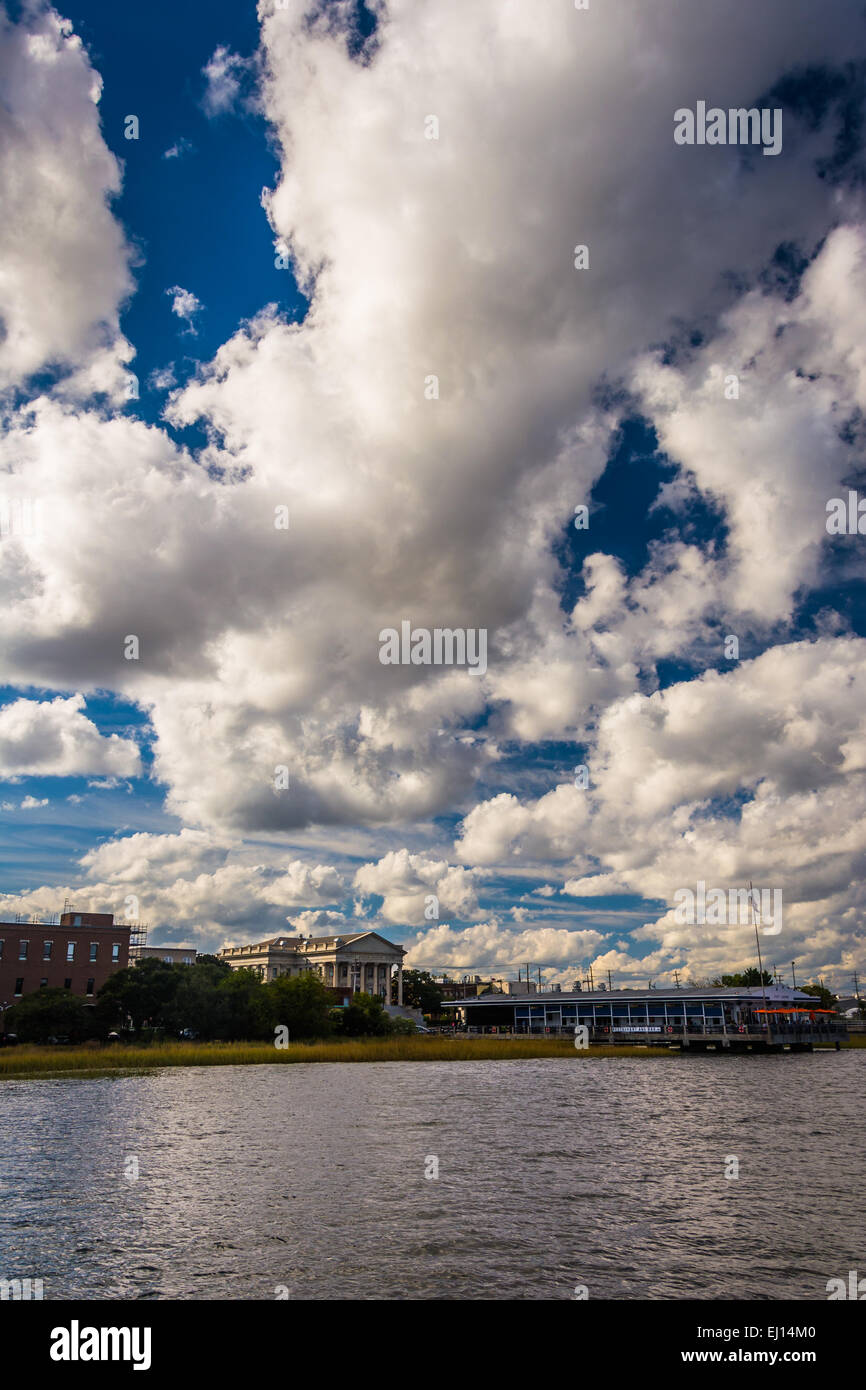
(370, 941)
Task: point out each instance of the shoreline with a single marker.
(28, 1060)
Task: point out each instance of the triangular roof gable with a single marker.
(361, 936)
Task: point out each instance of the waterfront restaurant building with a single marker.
(78, 953)
(688, 1017)
(360, 962)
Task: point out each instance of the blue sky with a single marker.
(607, 644)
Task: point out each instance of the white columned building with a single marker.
(362, 961)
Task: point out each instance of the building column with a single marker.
(400, 984)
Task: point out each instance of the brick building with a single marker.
(77, 954)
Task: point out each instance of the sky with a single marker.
(296, 345)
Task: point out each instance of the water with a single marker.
(552, 1174)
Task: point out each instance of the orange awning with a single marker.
(794, 1010)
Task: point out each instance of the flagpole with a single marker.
(760, 962)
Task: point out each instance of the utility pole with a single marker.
(677, 978)
(794, 973)
(760, 962)
(609, 981)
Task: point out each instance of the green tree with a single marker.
(364, 1017)
(142, 992)
(403, 1027)
(420, 991)
(222, 965)
(244, 1007)
(827, 1000)
(752, 977)
(50, 1013)
(199, 1004)
(301, 1003)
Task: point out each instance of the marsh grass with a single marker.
(27, 1060)
(95, 1060)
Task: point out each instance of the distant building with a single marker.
(79, 953)
(466, 987)
(473, 986)
(728, 1017)
(171, 955)
(360, 961)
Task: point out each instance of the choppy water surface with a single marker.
(552, 1173)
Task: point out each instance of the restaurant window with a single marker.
(19, 985)
(70, 951)
(47, 948)
(94, 948)
(22, 949)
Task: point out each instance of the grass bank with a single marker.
(95, 1060)
(119, 1057)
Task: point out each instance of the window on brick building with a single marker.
(67, 984)
(43, 982)
(90, 984)
(115, 953)
(22, 949)
(94, 947)
(19, 985)
(47, 948)
(70, 950)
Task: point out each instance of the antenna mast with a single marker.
(760, 962)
